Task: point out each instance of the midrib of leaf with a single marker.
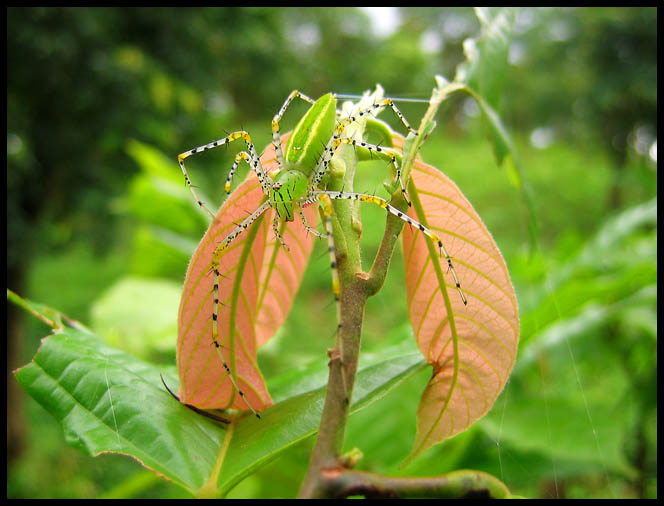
(237, 282)
(209, 489)
(433, 256)
(270, 269)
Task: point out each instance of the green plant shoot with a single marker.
(299, 182)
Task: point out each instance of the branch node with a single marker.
(362, 276)
(351, 458)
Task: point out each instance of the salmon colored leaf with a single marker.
(281, 275)
(472, 347)
(257, 285)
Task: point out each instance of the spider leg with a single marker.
(216, 258)
(251, 158)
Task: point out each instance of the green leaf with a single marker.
(169, 221)
(159, 183)
(161, 203)
(614, 265)
(157, 252)
(569, 399)
(154, 163)
(487, 54)
(109, 401)
(483, 74)
(256, 442)
(135, 306)
(504, 149)
(562, 410)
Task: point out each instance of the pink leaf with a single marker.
(472, 347)
(258, 282)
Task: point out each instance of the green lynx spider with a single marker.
(296, 185)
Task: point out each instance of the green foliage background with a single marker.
(100, 225)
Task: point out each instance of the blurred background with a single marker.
(100, 224)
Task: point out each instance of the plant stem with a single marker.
(329, 444)
(457, 484)
(344, 357)
(326, 475)
(356, 287)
